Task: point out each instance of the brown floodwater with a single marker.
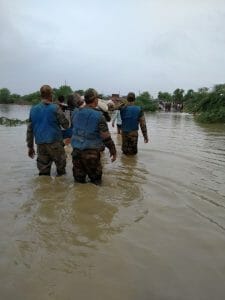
(155, 229)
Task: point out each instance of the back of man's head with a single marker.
(61, 99)
(78, 99)
(71, 101)
(46, 91)
(90, 96)
(131, 97)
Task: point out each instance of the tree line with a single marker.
(7, 98)
(207, 105)
(144, 99)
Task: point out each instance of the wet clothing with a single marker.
(44, 126)
(49, 153)
(45, 123)
(67, 133)
(39, 123)
(90, 137)
(132, 116)
(86, 134)
(87, 162)
(129, 142)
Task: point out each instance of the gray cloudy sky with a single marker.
(113, 46)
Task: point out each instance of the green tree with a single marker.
(178, 96)
(164, 96)
(207, 106)
(145, 100)
(189, 100)
(14, 98)
(32, 98)
(4, 95)
(63, 90)
(203, 90)
(189, 95)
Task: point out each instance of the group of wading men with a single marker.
(87, 130)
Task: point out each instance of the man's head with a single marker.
(46, 92)
(71, 101)
(115, 97)
(131, 97)
(91, 96)
(78, 100)
(61, 99)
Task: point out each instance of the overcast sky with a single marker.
(114, 46)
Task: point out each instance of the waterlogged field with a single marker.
(155, 229)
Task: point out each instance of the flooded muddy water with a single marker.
(155, 229)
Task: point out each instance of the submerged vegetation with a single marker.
(207, 105)
(11, 122)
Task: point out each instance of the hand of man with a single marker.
(146, 141)
(113, 157)
(31, 152)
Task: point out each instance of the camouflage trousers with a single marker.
(129, 142)
(49, 153)
(87, 163)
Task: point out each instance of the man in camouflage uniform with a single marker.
(90, 136)
(132, 116)
(44, 126)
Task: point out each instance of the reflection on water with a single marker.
(153, 230)
(5, 109)
(65, 222)
(20, 112)
(66, 218)
(71, 215)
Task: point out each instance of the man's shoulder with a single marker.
(92, 110)
(132, 108)
(35, 106)
(98, 114)
(54, 105)
(136, 107)
(87, 110)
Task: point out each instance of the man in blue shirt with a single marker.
(45, 121)
(132, 116)
(90, 136)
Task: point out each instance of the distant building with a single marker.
(115, 95)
